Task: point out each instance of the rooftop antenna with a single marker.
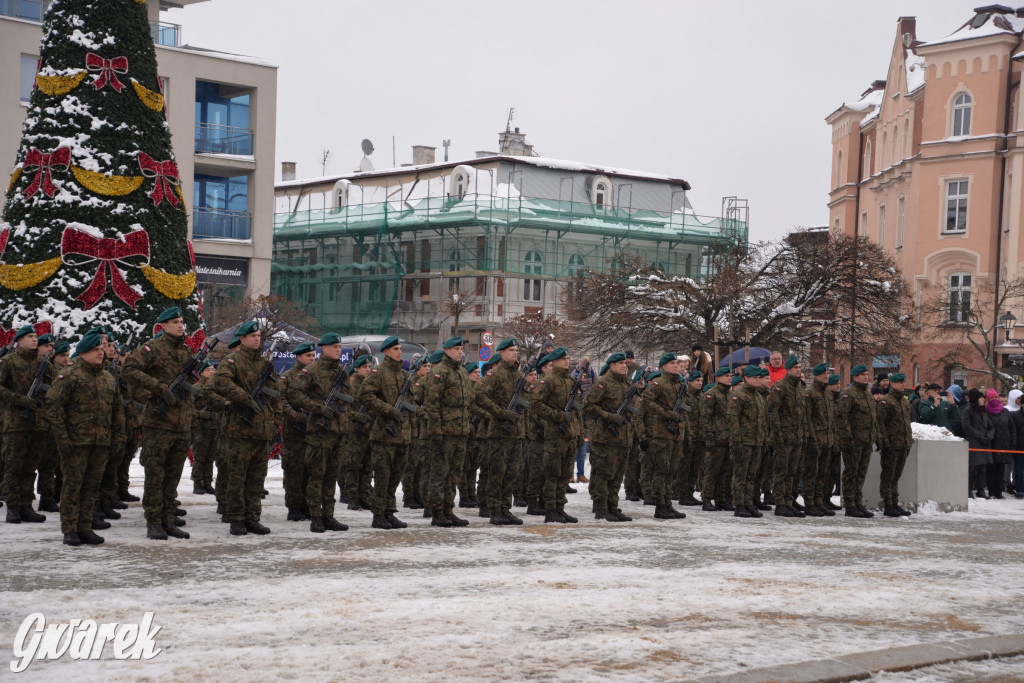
(447, 144)
(511, 114)
(323, 162)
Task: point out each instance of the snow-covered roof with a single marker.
(914, 69)
(991, 20)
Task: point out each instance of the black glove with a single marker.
(397, 415)
(26, 403)
(675, 417)
(170, 398)
(616, 419)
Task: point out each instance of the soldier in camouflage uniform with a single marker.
(166, 421)
(693, 450)
(48, 459)
(411, 479)
(893, 411)
(858, 432)
(108, 503)
(561, 430)
(535, 445)
(134, 401)
(23, 437)
(59, 363)
(821, 427)
(610, 438)
(293, 434)
(476, 412)
(523, 467)
(87, 418)
(474, 443)
(204, 431)
(787, 409)
(716, 484)
(836, 464)
(748, 429)
(431, 442)
(666, 430)
(360, 469)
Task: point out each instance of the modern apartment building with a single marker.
(222, 112)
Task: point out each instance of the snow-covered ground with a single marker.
(651, 600)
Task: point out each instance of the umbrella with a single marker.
(757, 355)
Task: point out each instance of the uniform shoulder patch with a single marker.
(304, 371)
(374, 370)
(542, 381)
(417, 383)
(778, 388)
(60, 376)
(881, 400)
(148, 350)
(655, 382)
(437, 376)
(735, 398)
(600, 386)
(488, 374)
(231, 360)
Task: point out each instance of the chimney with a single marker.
(287, 170)
(421, 154)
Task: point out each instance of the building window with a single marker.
(29, 66)
(533, 288)
(881, 152)
(454, 265)
(220, 208)
(222, 120)
(959, 297)
(600, 191)
(956, 206)
(881, 226)
(459, 185)
(895, 145)
(906, 138)
(962, 114)
(839, 168)
(340, 195)
(901, 208)
(862, 229)
(867, 159)
(575, 264)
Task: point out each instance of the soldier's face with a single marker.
(697, 382)
(363, 370)
(510, 355)
(898, 386)
(475, 375)
(208, 372)
(671, 367)
(834, 388)
(531, 377)
(175, 327)
(29, 341)
(562, 362)
(61, 358)
(44, 349)
(305, 358)
(794, 371)
(862, 378)
(618, 367)
(251, 340)
(424, 369)
(455, 353)
(93, 356)
(331, 351)
(394, 352)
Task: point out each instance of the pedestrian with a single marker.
(1004, 439)
(1013, 404)
(979, 430)
(587, 375)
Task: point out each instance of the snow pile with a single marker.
(923, 432)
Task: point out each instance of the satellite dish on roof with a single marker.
(365, 164)
(367, 147)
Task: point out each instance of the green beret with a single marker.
(820, 369)
(389, 342)
(751, 371)
(452, 342)
(170, 314)
(45, 339)
(857, 370)
(560, 352)
(248, 328)
(709, 387)
(22, 331)
(436, 357)
(470, 367)
(88, 343)
(505, 343)
(63, 347)
(362, 360)
(694, 376)
(304, 347)
(897, 377)
(763, 372)
(791, 361)
(235, 341)
(542, 361)
(616, 357)
(98, 329)
(721, 372)
(206, 364)
(329, 339)
(736, 379)
(665, 358)
(833, 379)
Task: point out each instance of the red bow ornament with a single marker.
(126, 251)
(107, 69)
(166, 174)
(59, 159)
(6, 232)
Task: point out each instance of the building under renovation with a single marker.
(388, 251)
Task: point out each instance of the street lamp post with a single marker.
(1008, 320)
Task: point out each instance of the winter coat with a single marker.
(1005, 437)
(979, 430)
(1017, 418)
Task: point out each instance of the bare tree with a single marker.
(458, 302)
(274, 311)
(531, 330)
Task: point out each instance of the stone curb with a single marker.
(861, 665)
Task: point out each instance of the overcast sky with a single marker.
(731, 96)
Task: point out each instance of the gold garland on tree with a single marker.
(150, 98)
(17, 277)
(59, 85)
(110, 185)
(171, 286)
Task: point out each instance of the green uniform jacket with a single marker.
(378, 392)
(446, 399)
(552, 395)
(85, 408)
(153, 367)
(235, 379)
(855, 416)
(715, 415)
(477, 410)
(748, 419)
(893, 413)
(941, 414)
(209, 406)
(319, 378)
(787, 407)
(821, 416)
(17, 372)
(293, 386)
(659, 399)
(419, 418)
(600, 403)
(495, 393)
(360, 428)
(695, 425)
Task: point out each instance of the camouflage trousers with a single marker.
(893, 462)
(607, 468)
(665, 456)
(716, 482)
(430, 445)
(323, 460)
(817, 469)
(360, 467)
(559, 458)
(221, 487)
(48, 464)
(503, 456)
(293, 467)
(163, 456)
(204, 446)
(21, 453)
(474, 461)
(131, 445)
(765, 472)
(631, 479)
(81, 474)
(646, 472)
(855, 469)
(388, 461)
(523, 469)
(247, 472)
(108, 485)
(533, 486)
(689, 469)
(786, 475)
(446, 466)
(413, 471)
(745, 463)
(834, 476)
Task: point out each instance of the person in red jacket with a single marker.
(775, 369)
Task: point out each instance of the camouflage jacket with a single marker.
(293, 387)
(360, 429)
(748, 424)
(478, 412)
(17, 372)
(893, 414)
(418, 420)
(209, 406)
(821, 416)
(153, 367)
(446, 399)
(659, 400)
(549, 404)
(85, 408)
(320, 377)
(695, 426)
(787, 411)
(855, 416)
(600, 403)
(493, 398)
(715, 415)
(379, 392)
(234, 380)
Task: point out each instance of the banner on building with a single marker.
(222, 270)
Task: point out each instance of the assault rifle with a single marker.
(335, 395)
(517, 402)
(182, 387)
(261, 393)
(627, 403)
(38, 390)
(572, 403)
(9, 348)
(680, 405)
(402, 403)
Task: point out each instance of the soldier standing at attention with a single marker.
(469, 492)
(204, 431)
(326, 426)
(446, 401)
(475, 410)
(858, 431)
(134, 403)
(414, 467)
(836, 463)
(107, 503)
(666, 434)
(293, 434)
(358, 444)
(45, 485)
(716, 484)
(787, 411)
(610, 438)
(87, 418)
(389, 448)
(523, 467)
(535, 437)
(431, 442)
(693, 452)
(221, 460)
(894, 426)
(246, 445)
(506, 433)
(560, 434)
(23, 437)
(748, 427)
(821, 425)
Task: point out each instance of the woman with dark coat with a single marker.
(979, 431)
(1005, 439)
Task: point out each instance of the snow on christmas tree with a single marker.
(94, 227)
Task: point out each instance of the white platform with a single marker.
(935, 471)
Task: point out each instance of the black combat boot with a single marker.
(354, 505)
(178, 521)
(708, 506)
(108, 512)
(295, 515)
(254, 527)
(33, 517)
(343, 497)
(518, 502)
(89, 537)
(380, 522)
(864, 511)
(467, 502)
(633, 497)
(48, 504)
(427, 514)
(72, 539)
(331, 524)
(622, 518)
(689, 501)
(798, 507)
(769, 499)
(567, 518)
(797, 513)
(832, 506)
(678, 513)
(499, 519)
(364, 503)
(606, 516)
(784, 511)
(115, 504)
(238, 529)
(180, 512)
(316, 525)
(127, 497)
(763, 507)
(534, 507)
(649, 500)
(553, 516)
(905, 512)
(484, 511)
(742, 511)
(813, 511)
(13, 515)
(395, 522)
(725, 505)
(662, 511)
(854, 511)
(456, 521)
(569, 489)
(440, 520)
(156, 532)
(99, 523)
(754, 512)
(198, 489)
(415, 504)
(890, 511)
(175, 532)
(209, 489)
(512, 518)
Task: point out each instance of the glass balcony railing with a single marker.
(219, 224)
(214, 139)
(33, 10)
(166, 34)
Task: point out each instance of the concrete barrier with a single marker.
(935, 471)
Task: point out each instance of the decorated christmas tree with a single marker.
(94, 227)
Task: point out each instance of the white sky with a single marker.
(731, 96)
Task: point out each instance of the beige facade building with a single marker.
(222, 112)
(929, 163)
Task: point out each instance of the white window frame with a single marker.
(533, 288)
(881, 225)
(576, 264)
(963, 104)
(862, 229)
(960, 202)
(27, 83)
(867, 160)
(960, 284)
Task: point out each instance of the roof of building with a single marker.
(989, 20)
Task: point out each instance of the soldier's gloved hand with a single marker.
(26, 403)
(675, 417)
(562, 416)
(510, 415)
(643, 445)
(170, 398)
(616, 419)
(323, 411)
(397, 415)
(253, 405)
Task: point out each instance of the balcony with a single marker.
(163, 33)
(32, 10)
(219, 224)
(214, 139)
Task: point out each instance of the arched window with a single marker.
(906, 138)
(600, 188)
(839, 168)
(339, 197)
(454, 266)
(533, 288)
(896, 145)
(575, 264)
(962, 114)
(867, 159)
(459, 182)
(883, 150)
